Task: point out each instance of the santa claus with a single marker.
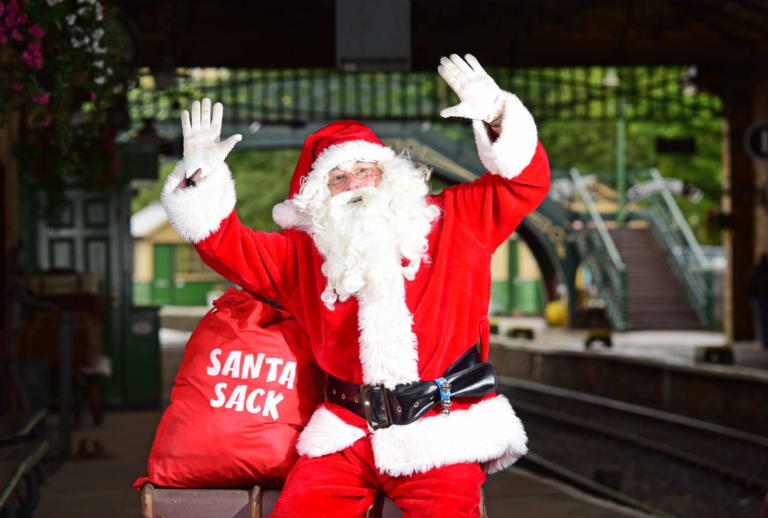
(392, 286)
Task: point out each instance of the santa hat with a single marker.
(323, 151)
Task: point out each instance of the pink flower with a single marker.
(42, 98)
(3, 39)
(33, 56)
(46, 122)
(17, 35)
(93, 97)
(13, 15)
(18, 87)
(36, 31)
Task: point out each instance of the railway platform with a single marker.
(683, 347)
(98, 482)
(109, 458)
(664, 370)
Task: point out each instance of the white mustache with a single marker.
(358, 199)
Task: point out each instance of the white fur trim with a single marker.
(288, 215)
(388, 346)
(196, 212)
(513, 150)
(360, 150)
(488, 432)
(326, 433)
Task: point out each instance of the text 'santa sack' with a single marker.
(245, 389)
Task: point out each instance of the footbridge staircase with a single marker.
(651, 273)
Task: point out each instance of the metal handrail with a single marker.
(595, 243)
(597, 219)
(680, 220)
(676, 237)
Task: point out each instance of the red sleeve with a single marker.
(493, 206)
(257, 261)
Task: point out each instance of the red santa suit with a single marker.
(419, 327)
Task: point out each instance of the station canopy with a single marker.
(576, 59)
(502, 33)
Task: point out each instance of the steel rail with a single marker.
(630, 408)
(745, 479)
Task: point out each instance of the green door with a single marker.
(89, 234)
(162, 282)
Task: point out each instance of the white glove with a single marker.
(203, 148)
(479, 94)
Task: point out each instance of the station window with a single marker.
(187, 261)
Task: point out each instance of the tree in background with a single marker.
(589, 147)
(262, 178)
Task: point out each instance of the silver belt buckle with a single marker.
(364, 391)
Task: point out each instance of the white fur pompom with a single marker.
(288, 215)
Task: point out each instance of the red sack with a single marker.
(245, 389)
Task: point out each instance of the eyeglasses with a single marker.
(341, 178)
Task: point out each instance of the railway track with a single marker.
(698, 458)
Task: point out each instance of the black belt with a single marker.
(407, 402)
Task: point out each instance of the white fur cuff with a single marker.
(514, 148)
(196, 212)
(488, 432)
(326, 433)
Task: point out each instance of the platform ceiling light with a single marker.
(689, 81)
(611, 78)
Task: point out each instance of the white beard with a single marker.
(365, 236)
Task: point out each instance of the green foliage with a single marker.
(262, 179)
(590, 147)
(587, 146)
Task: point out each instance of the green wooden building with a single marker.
(167, 270)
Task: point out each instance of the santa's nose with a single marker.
(356, 183)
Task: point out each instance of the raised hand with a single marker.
(479, 95)
(203, 148)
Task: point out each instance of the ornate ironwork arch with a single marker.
(663, 93)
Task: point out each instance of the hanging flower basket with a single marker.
(65, 67)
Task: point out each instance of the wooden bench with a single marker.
(234, 503)
(227, 503)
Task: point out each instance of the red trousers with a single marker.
(344, 485)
